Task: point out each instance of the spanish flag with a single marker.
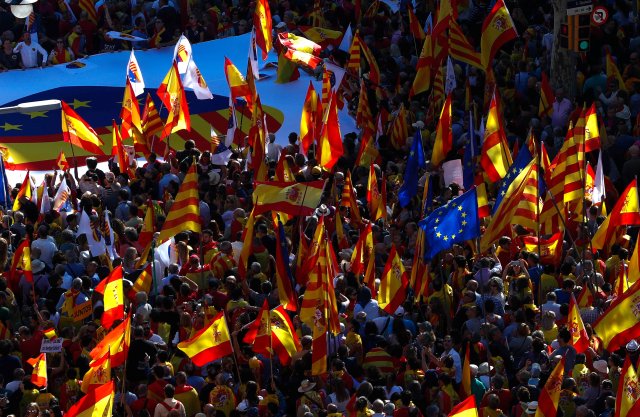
(130, 112)
(628, 391)
(444, 139)
(466, 408)
(579, 336)
(284, 277)
(262, 22)
(550, 248)
(496, 157)
(422, 82)
(626, 212)
(497, 29)
(621, 321)
(414, 25)
(96, 403)
(309, 119)
(61, 162)
(148, 226)
(111, 289)
(39, 373)
(362, 251)
(550, 394)
(613, 72)
(118, 150)
(50, 333)
(78, 132)
(25, 191)
(545, 108)
(393, 283)
(302, 58)
(374, 199)
(116, 342)
(330, 141)
(294, 198)
(465, 385)
(247, 239)
(209, 344)
(238, 85)
(184, 213)
(284, 339)
(634, 264)
(298, 43)
(21, 261)
(322, 36)
(258, 142)
(98, 374)
(172, 94)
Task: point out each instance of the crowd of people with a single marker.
(505, 310)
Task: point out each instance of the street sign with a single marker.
(576, 7)
(599, 16)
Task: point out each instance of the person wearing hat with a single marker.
(477, 387)
(313, 399)
(532, 408)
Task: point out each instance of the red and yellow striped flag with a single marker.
(184, 213)
(374, 199)
(613, 72)
(625, 213)
(496, 157)
(151, 123)
(460, 48)
(466, 373)
(24, 191)
(50, 333)
(76, 131)
(258, 142)
(348, 199)
(116, 342)
(247, 239)
(497, 29)
(398, 131)
(21, 261)
(61, 162)
(353, 64)
(422, 82)
(39, 373)
(144, 280)
(466, 408)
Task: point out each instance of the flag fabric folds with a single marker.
(451, 223)
(194, 80)
(550, 394)
(21, 261)
(626, 212)
(184, 213)
(284, 277)
(97, 403)
(171, 92)
(112, 291)
(294, 198)
(621, 321)
(550, 248)
(211, 343)
(144, 281)
(238, 85)
(444, 138)
(24, 191)
(182, 54)
(78, 132)
(393, 283)
(628, 391)
(134, 75)
(547, 97)
(116, 342)
(130, 112)
(496, 157)
(497, 29)
(310, 119)
(415, 163)
(61, 162)
(39, 373)
(262, 22)
(579, 337)
(330, 141)
(98, 374)
(466, 408)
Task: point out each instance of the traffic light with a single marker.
(583, 33)
(564, 36)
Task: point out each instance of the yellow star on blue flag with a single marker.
(455, 222)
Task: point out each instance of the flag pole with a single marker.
(233, 349)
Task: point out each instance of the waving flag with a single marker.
(98, 374)
(393, 283)
(444, 139)
(194, 80)
(466, 408)
(182, 54)
(330, 141)
(39, 374)
(238, 86)
(496, 157)
(78, 132)
(172, 94)
(184, 213)
(61, 162)
(262, 22)
(293, 198)
(550, 393)
(134, 75)
(415, 163)
(497, 29)
(97, 402)
(116, 342)
(211, 343)
(21, 261)
(130, 113)
(111, 289)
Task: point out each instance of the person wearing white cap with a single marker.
(477, 387)
(532, 407)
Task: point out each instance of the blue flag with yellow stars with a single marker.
(415, 162)
(521, 162)
(455, 222)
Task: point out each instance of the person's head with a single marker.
(169, 391)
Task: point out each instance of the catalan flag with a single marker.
(398, 130)
(39, 373)
(97, 402)
(262, 22)
(184, 213)
(353, 64)
(460, 48)
(209, 344)
(293, 198)
(547, 97)
(89, 7)
(172, 94)
(374, 70)
(579, 336)
(144, 281)
(393, 283)
(496, 157)
(112, 291)
(78, 132)
(348, 199)
(550, 393)
(497, 29)
(444, 138)
(151, 125)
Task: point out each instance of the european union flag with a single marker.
(452, 223)
(415, 162)
(521, 162)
